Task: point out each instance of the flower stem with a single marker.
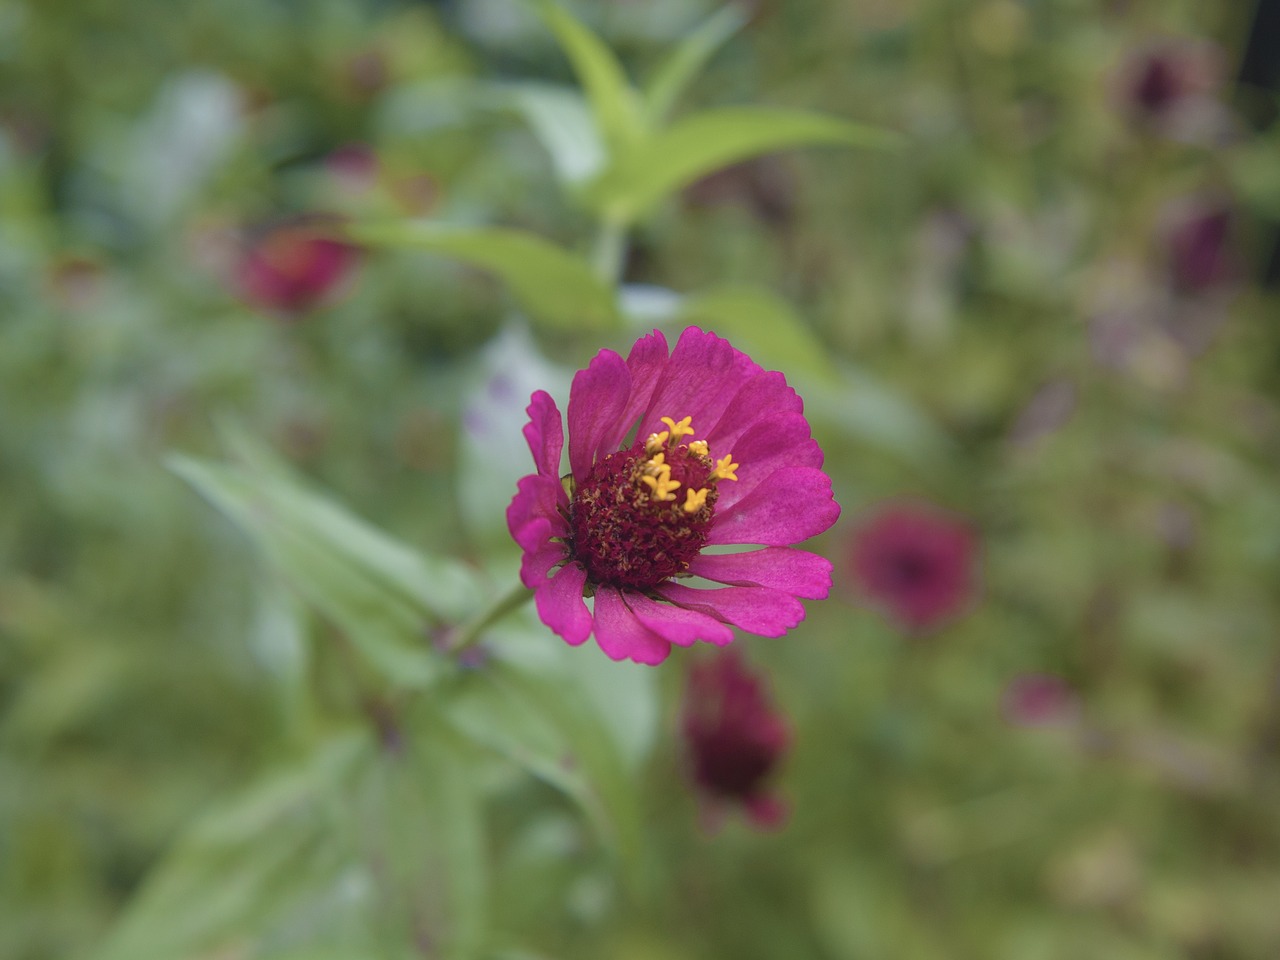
(467, 634)
(610, 251)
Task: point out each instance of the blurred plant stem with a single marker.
(610, 251)
(468, 634)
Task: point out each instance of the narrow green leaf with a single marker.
(700, 144)
(380, 593)
(613, 101)
(249, 866)
(420, 821)
(675, 73)
(556, 287)
(550, 729)
(561, 120)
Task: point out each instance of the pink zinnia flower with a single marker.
(292, 268)
(915, 562)
(733, 736)
(633, 517)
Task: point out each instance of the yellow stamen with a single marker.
(695, 500)
(699, 448)
(661, 483)
(657, 465)
(678, 430)
(725, 469)
(655, 442)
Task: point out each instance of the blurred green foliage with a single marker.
(220, 745)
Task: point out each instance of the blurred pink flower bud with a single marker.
(733, 737)
(916, 563)
(1199, 251)
(1039, 699)
(292, 268)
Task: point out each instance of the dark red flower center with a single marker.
(642, 514)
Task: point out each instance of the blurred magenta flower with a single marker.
(1200, 254)
(733, 737)
(632, 517)
(293, 267)
(1039, 699)
(1170, 87)
(916, 563)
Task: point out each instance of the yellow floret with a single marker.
(695, 500)
(725, 469)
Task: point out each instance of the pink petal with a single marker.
(769, 613)
(537, 498)
(597, 401)
(646, 361)
(766, 394)
(769, 445)
(677, 624)
(798, 572)
(793, 504)
(544, 433)
(560, 604)
(621, 635)
(699, 381)
(537, 563)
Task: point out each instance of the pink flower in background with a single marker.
(1039, 699)
(1199, 250)
(733, 736)
(292, 268)
(1170, 87)
(721, 456)
(916, 563)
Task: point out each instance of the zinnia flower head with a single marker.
(733, 736)
(916, 563)
(672, 453)
(292, 268)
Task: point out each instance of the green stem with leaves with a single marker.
(469, 633)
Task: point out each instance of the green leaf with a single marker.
(556, 287)
(687, 59)
(613, 101)
(561, 120)
(379, 592)
(420, 823)
(700, 144)
(249, 866)
(549, 728)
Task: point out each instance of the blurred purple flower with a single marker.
(1200, 257)
(1039, 699)
(916, 563)
(628, 521)
(294, 267)
(733, 737)
(1169, 87)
